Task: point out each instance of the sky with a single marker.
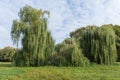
(65, 15)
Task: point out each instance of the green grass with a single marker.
(93, 72)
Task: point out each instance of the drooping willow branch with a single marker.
(37, 41)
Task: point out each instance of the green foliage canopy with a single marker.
(117, 32)
(98, 44)
(7, 53)
(37, 42)
(69, 54)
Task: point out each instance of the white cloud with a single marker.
(4, 37)
(66, 15)
(4, 33)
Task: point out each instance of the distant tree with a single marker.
(37, 42)
(7, 53)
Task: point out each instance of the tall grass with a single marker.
(92, 72)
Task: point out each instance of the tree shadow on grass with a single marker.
(5, 64)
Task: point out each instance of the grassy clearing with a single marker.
(93, 72)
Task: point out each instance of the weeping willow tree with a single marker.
(69, 54)
(49, 49)
(117, 32)
(37, 42)
(99, 44)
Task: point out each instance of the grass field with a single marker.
(93, 72)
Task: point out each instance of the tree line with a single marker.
(90, 44)
(7, 53)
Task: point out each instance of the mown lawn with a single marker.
(93, 72)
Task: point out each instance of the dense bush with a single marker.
(69, 54)
(7, 53)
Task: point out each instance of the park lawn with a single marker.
(92, 72)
